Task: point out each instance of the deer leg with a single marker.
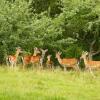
(23, 66)
(37, 65)
(87, 68)
(47, 66)
(52, 68)
(33, 65)
(65, 68)
(90, 70)
(15, 64)
(23, 63)
(41, 65)
(77, 68)
(12, 65)
(7, 62)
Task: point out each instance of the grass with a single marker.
(47, 85)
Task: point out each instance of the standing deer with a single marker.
(89, 64)
(49, 62)
(67, 62)
(26, 60)
(11, 60)
(42, 57)
(35, 58)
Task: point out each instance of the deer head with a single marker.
(49, 56)
(18, 50)
(44, 51)
(58, 54)
(36, 51)
(84, 54)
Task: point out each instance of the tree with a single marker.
(50, 7)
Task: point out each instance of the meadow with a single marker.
(18, 84)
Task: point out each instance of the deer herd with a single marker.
(39, 55)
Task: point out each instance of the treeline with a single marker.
(70, 26)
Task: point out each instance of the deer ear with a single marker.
(60, 53)
(83, 52)
(35, 48)
(50, 55)
(41, 49)
(18, 48)
(46, 50)
(87, 52)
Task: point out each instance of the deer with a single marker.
(11, 60)
(89, 64)
(35, 58)
(67, 62)
(26, 60)
(42, 58)
(49, 62)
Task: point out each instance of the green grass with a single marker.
(48, 85)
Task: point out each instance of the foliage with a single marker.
(54, 24)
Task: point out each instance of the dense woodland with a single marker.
(70, 26)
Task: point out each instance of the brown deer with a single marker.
(35, 58)
(49, 62)
(11, 60)
(67, 62)
(89, 64)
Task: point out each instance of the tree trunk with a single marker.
(91, 50)
(92, 53)
(90, 56)
(49, 9)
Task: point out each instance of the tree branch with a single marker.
(82, 39)
(91, 46)
(95, 53)
(91, 49)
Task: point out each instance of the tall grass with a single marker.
(48, 85)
